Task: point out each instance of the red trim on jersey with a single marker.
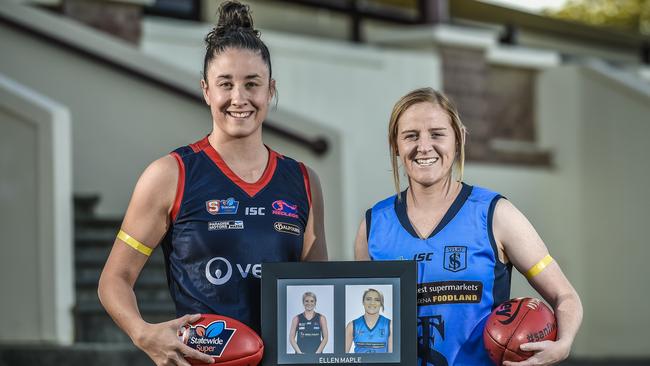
(305, 177)
(180, 187)
(196, 146)
(250, 188)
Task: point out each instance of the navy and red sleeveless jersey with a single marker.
(223, 228)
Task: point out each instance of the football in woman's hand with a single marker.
(228, 341)
(517, 321)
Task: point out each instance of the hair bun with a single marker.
(233, 16)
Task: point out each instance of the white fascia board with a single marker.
(523, 57)
(440, 34)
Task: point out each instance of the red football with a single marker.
(515, 322)
(230, 342)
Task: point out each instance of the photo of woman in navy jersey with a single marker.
(465, 239)
(309, 333)
(219, 207)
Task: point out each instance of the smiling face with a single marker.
(238, 90)
(426, 144)
(309, 303)
(372, 302)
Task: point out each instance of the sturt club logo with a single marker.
(431, 327)
(455, 258)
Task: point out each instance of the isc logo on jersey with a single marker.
(218, 271)
(222, 207)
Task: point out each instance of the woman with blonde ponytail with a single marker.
(465, 239)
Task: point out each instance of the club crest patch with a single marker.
(222, 207)
(455, 258)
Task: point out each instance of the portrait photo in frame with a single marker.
(300, 298)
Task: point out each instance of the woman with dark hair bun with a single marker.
(218, 207)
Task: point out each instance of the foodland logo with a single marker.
(218, 271)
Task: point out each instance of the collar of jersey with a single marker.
(400, 210)
(251, 189)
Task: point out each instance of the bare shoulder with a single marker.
(163, 170)
(156, 188)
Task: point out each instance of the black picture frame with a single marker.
(342, 280)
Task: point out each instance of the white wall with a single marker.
(35, 195)
(616, 128)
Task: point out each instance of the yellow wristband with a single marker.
(134, 243)
(539, 267)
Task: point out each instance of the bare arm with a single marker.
(323, 327)
(314, 245)
(292, 335)
(525, 248)
(348, 337)
(361, 243)
(146, 220)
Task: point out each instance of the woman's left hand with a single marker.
(546, 353)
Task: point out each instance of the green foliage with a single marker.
(630, 15)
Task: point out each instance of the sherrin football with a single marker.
(517, 321)
(228, 341)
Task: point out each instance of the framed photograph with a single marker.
(339, 313)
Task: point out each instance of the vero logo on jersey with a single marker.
(285, 208)
(222, 207)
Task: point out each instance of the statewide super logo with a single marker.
(285, 208)
(211, 339)
(222, 207)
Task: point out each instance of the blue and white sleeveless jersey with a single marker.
(367, 340)
(460, 278)
(223, 228)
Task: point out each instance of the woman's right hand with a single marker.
(160, 341)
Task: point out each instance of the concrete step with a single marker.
(150, 276)
(84, 205)
(79, 354)
(95, 256)
(92, 323)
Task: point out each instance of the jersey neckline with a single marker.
(363, 318)
(251, 189)
(400, 210)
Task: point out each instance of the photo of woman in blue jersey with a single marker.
(219, 207)
(308, 332)
(466, 239)
(371, 332)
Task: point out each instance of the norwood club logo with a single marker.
(212, 339)
(222, 207)
(284, 208)
(455, 258)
